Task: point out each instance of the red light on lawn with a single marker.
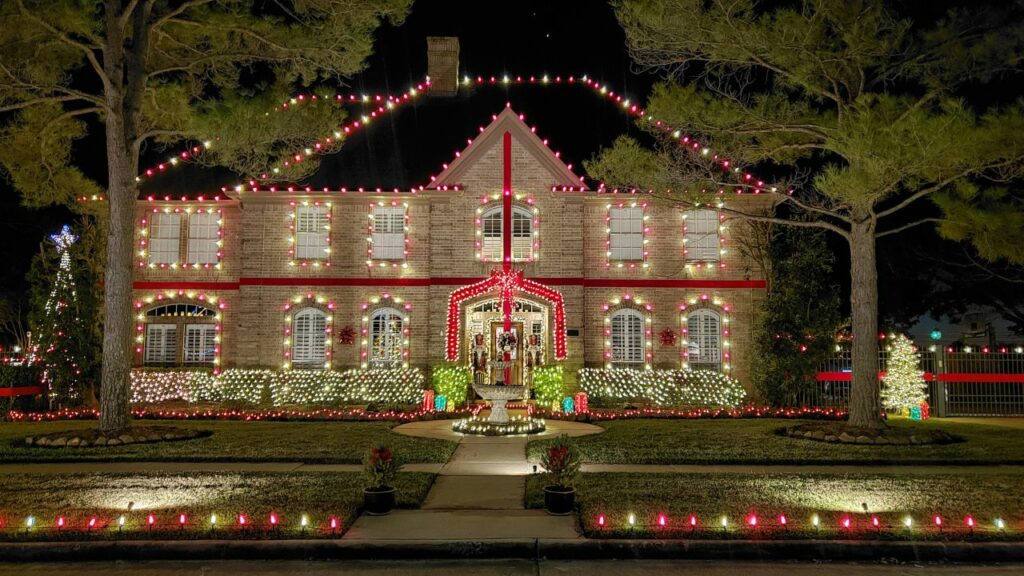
(782, 520)
(969, 521)
(273, 519)
(693, 520)
(334, 523)
(662, 520)
(752, 520)
(846, 522)
(241, 520)
(150, 520)
(875, 522)
(938, 521)
(601, 520)
(60, 522)
(92, 523)
(182, 519)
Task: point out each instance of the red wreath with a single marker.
(668, 337)
(347, 335)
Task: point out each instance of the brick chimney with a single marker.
(443, 65)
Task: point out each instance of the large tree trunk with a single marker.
(865, 405)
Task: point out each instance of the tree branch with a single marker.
(85, 48)
(907, 226)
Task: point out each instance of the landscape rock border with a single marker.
(93, 438)
(840, 433)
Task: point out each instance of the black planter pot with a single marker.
(378, 501)
(559, 500)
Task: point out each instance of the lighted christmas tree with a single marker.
(904, 381)
(61, 340)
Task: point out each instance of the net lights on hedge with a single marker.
(306, 301)
(385, 300)
(705, 301)
(631, 302)
(530, 206)
(644, 232)
(372, 227)
(182, 296)
(145, 235)
(325, 229)
(702, 388)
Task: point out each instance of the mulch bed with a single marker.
(90, 438)
(841, 433)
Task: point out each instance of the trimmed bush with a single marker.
(253, 386)
(690, 388)
(548, 386)
(452, 382)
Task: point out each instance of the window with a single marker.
(164, 238)
(161, 344)
(522, 234)
(626, 233)
(704, 340)
(387, 338)
(311, 231)
(389, 233)
(200, 343)
(627, 339)
(702, 243)
(203, 236)
(309, 338)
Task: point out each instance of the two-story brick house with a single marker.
(330, 279)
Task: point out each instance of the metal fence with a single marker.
(976, 383)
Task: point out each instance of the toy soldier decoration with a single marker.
(478, 356)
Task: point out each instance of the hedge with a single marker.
(452, 382)
(696, 388)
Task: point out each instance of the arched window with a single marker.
(627, 327)
(387, 338)
(704, 340)
(702, 242)
(522, 234)
(180, 334)
(309, 338)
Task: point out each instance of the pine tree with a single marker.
(904, 381)
(62, 332)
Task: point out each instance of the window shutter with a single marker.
(704, 335)
(627, 338)
(309, 338)
(164, 238)
(161, 344)
(627, 233)
(311, 232)
(203, 234)
(200, 343)
(702, 241)
(389, 233)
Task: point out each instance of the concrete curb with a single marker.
(530, 549)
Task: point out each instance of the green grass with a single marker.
(315, 442)
(753, 441)
(79, 497)
(799, 496)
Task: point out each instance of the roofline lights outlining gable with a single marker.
(507, 121)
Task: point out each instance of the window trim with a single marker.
(522, 243)
(692, 250)
(212, 243)
(376, 238)
(715, 362)
(321, 231)
(323, 358)
(153, 230)
(403, 344)
(640, 336)
(611, 222)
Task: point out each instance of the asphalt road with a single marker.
(498, 568)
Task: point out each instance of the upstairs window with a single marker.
(309, 338)
(626, 234)
(311, 232)
(388, 233)
(203, 238)
(522, 234)
(627, 339)
(164, 238)
(704, 340)
(701, 239)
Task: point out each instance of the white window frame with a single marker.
(161, 344)
(203, 238)
(702, 240)
(200, 343)
(628, 339)
(311, 232)
(704, 340)
(383, 338)
(309, 338)
(388, 233)
(492, 229)
(164, 238)
(626, 234)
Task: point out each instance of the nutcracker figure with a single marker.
(478, 357)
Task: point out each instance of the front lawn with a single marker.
(80, 497)
(833, 497)
(314, 442)
(753, 441)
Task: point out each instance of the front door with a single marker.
(515, 372)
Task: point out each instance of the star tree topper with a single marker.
(64, 239)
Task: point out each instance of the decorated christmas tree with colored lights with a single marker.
(61, 330)
(904, 381)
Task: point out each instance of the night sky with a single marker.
(404, 149)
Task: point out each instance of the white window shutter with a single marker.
(389, 233)
(164, 238)
(203, 235)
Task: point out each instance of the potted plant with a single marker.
(380, 469)
(562, 464)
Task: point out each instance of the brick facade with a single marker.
(257, 278)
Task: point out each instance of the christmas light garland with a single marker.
(452, 382)
(723, 311)
(697, 388)
(181, 296)
(627, 301)
(645, 231)
(372, 227)
(309, 300)
(293, 225)
(699, 263)
(385, 300)
(145, 237)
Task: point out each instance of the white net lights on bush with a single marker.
(697, 388)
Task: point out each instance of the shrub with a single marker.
(548, 385)
(692, 388)
(380, 467)
(452, 382)
(162, 385)
(19, 376)
(561, 462)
